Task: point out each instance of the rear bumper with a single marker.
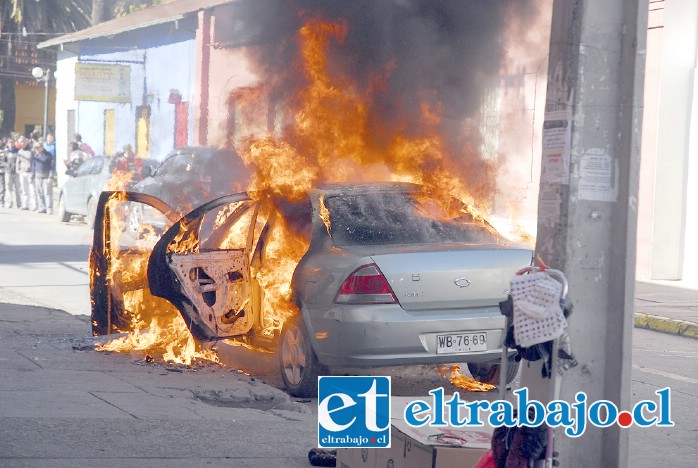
(385, 335)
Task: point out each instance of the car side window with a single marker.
(176, 164)
(227, 227)
(85, 167)
(97, 164)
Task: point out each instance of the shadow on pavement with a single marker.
(20, 254)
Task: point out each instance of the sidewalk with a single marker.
(668, 307)
(66, 405)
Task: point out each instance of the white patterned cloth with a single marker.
(538, 315)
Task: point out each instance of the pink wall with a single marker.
(221, 71)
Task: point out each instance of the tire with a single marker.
(63, 215)
(91, 212)
(488, 372)
(297, 361)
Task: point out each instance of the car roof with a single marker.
(366, 188)
(199, 150)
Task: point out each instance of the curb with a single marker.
(666, 325)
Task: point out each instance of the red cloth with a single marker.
(486, 461)
(86, 148)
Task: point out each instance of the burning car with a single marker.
(369, 275)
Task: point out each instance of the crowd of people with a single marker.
(28, 170)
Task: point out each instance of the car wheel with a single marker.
(63, 215)
(91, 212)
(299, 365)
(488, 372)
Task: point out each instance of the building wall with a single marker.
(676, 89)
(648, 161)
(65, 86)
(223, 71)
(690, 254)
(30, 107)
(153, 78)
(165, 86)
(90, 123)
(159, 59)
(222, 87)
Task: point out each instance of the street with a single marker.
(64, 404)
(44, 262)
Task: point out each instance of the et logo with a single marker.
(353, 411)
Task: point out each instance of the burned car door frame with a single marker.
(211, 288)
(105, 315)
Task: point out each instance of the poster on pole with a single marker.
(102, 82)
(557, 143)
(598, 176)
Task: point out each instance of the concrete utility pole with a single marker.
(587, 215)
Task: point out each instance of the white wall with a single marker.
(154, 71)
(671, 205)
(90, 123)
(168, 67)
(690, 258)
(65, 84)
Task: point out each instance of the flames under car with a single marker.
(352, 276)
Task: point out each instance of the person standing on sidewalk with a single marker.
(24, 170)
(3, 165)
(42, 172)
(50, 146)
(12, 190)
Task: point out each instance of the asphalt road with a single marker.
(43, 263)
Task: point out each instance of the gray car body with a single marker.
(441, 289)
(424, 279)
(90, 178)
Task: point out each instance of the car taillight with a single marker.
(366, 285)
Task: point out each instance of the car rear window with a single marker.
(397, 218)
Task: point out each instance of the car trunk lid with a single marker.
(452, 278)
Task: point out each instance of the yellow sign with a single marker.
(99, 82)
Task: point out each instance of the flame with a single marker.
(171, 338)
(282, 254)
(452, 373)
(155, 327)
(119, 180)
(329, 137)
(328, 140)
(184, 241)
(325, 215)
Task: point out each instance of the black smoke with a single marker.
(445, 55)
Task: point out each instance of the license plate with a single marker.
(461, 343)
